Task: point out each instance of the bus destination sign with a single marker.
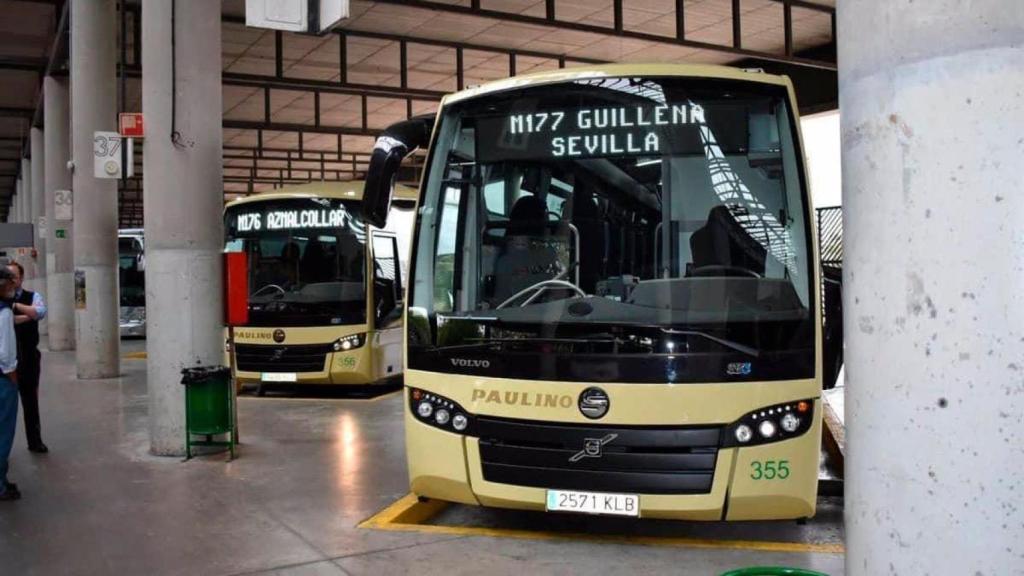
(292, 219)
(643, 129)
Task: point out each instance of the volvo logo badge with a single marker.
(594, 403)
(592, 447)
(278, 335)
(470, 363)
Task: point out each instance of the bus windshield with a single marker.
(306, 258)
(629, 229)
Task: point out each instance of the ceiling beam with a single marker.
(306, 128)
(22, 63)
(16, 112)
(328, 87)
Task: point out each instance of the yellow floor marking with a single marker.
(136, 355)
(408, 514)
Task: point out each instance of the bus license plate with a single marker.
(279, 377)
(593, 503)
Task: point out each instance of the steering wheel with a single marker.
(723, 270)
(274, 286)
(540, 287)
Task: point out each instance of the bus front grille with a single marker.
(278, 358)
(642, 460)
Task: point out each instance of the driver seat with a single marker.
(530, 253)
(723, 241)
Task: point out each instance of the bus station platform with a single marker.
(698, 287)
(319, 488)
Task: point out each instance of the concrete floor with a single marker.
(310, 470)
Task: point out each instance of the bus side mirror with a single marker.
(398, 141)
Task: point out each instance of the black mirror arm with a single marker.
(392, 146)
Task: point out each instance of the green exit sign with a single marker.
(61, 233)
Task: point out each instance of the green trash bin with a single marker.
(772, 571)
(209, 408)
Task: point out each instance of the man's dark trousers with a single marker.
(29, 360)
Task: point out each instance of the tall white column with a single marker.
(932, 121)
(26, 260)
(60, 253)
(38, 195)
(94, 108)
(26, 188)
(183, 200)
(16, 202)
(21, 194)
(20, 198)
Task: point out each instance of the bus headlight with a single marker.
(790, 422)
(441, 416)
(350, 342)
(772, 423)
(439, 412)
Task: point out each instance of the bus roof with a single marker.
(344, 190)
(620, 70)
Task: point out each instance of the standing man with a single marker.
(29, 309)
(8, 384)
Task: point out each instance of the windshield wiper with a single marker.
(750, 351)
(476, 343)
(602, 337)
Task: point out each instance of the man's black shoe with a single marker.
(38, 448)
(10, 493)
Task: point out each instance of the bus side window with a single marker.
(387, 282)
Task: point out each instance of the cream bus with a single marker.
(612, 300)
(325, 288)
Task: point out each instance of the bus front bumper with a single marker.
(448, 466)
(354, 367)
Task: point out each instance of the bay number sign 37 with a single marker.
(110, 152)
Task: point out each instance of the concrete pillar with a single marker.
(26, 260)
(932, 119)
(94, 108)
(16, 199)
(21, 193)
(26, 189)
(38, 196)
(59, 257)
(183, 200)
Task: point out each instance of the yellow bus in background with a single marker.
(325, 288)
(612, 301)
